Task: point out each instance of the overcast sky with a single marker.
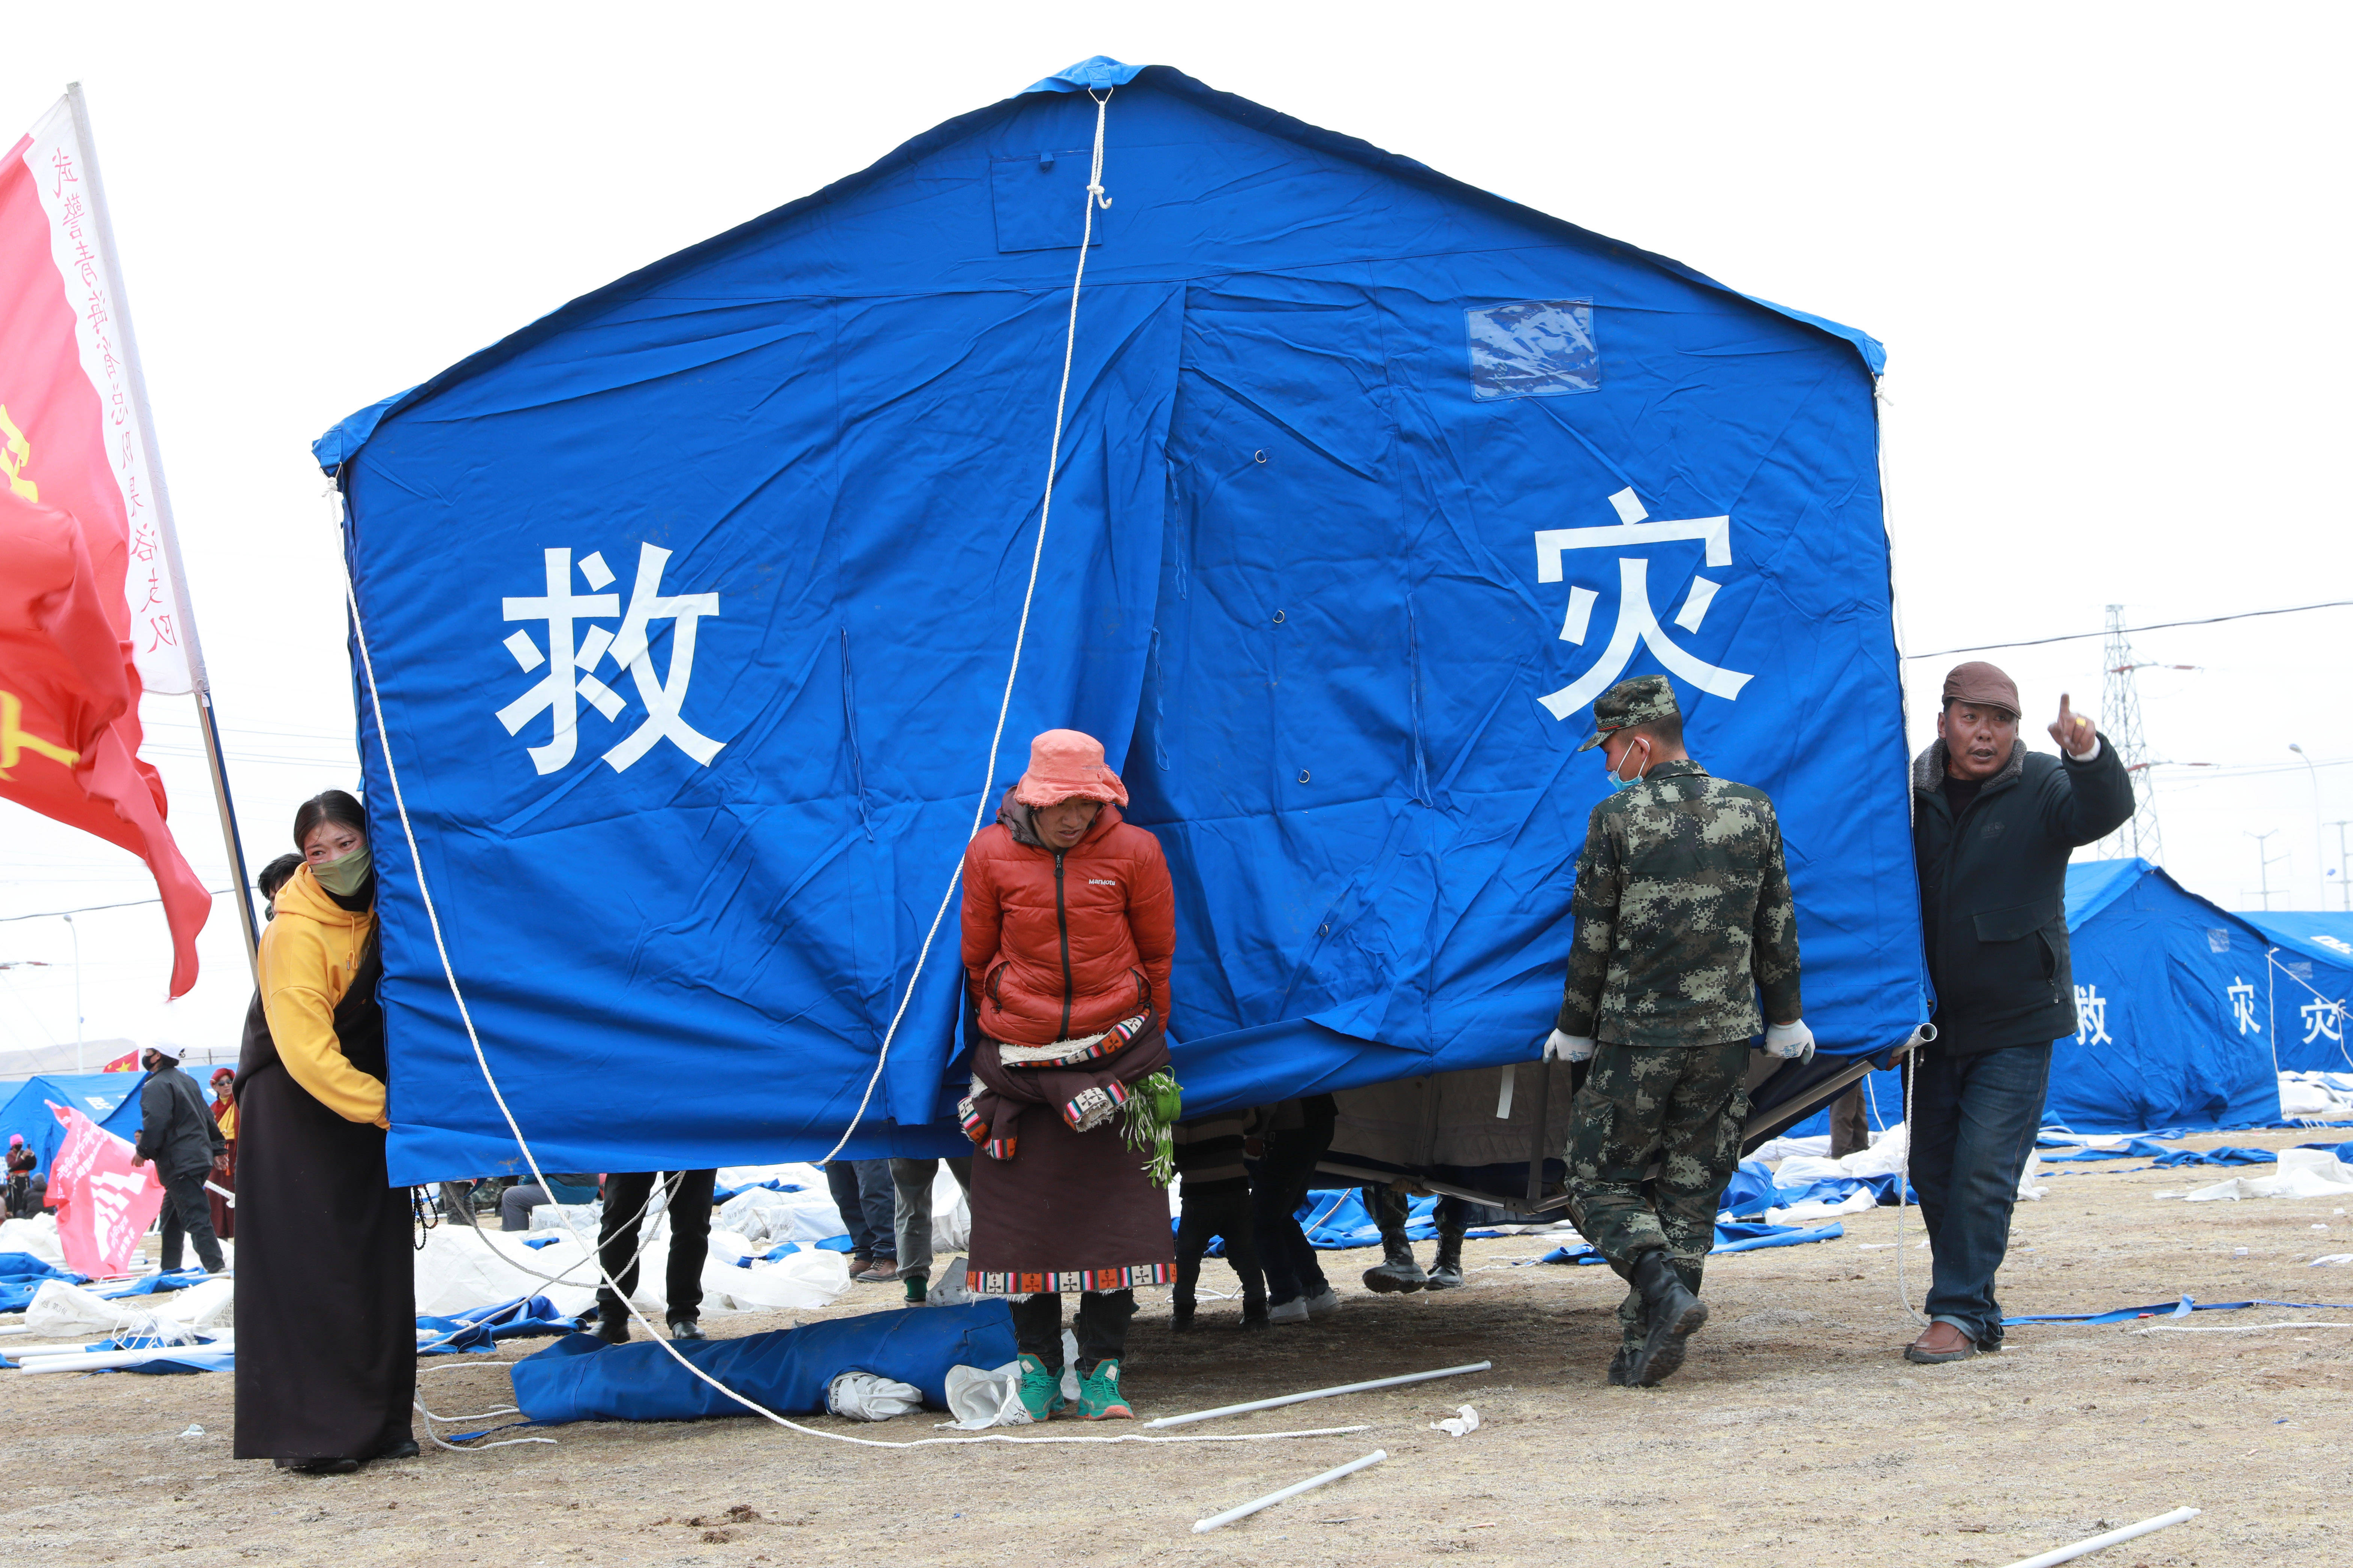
(2104, 246)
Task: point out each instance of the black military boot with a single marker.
(1620, 1364)
(1672, 1313)
(613, 1323)
(1397, 1270)
(1446, 1272)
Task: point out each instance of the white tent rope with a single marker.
(1021, 631)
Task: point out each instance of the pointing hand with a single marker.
(2073, 732)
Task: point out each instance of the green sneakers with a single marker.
(1041, 1389)
(1099, 1395)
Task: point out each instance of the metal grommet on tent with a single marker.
(1278, 618)
(1303, 775)
(1259, 456)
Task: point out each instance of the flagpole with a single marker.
(200, 684)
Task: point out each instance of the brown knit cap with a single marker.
(1980, 684)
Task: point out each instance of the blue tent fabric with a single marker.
(1734, 1236)
(2169, 993)
(582, 1378)
(1371, 479)
(480, 1328)
(109, 1099)
(2312, 991)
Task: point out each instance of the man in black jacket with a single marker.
(1992, 826)
(176, 1130)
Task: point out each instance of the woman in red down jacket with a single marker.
(1069, 936)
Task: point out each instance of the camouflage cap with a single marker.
(1644, 700)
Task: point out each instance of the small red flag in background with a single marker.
(127, 1062)
(89, 615)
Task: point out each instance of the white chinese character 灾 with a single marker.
(2324, 1019)
(2242, 1006)
(2090, 1016)
(1638, 623)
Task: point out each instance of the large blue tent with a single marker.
(2173, 1021)
(109, 1099)
(2311, 986)
(692, 603)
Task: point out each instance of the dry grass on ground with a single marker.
(1795, 1435)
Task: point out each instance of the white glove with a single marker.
(1563, 1047)
(1792, 1042)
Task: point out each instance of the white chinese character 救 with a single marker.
(1638, 623)
(572, 655)
(2242, 1006)
(2090, 1016)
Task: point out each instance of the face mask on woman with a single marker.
(346, 876)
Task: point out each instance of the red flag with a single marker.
(127, 1062)
(87, 614)
(70, 712)
(104, 1202)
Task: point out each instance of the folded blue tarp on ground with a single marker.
(1737, 1236)
(582, 1378)
(479, 1327)
(1752, 1190)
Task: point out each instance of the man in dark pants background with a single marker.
(689, 1207)
(1992, 826)
(176, 1130)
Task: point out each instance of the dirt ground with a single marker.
(1795, 1433)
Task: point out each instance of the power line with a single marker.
(2158, 627)
(92, 908)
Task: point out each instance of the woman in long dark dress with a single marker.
(327, 1329)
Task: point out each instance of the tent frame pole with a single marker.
(200, 685)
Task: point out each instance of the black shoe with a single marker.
(1254, 1314)
(1673, 1313)
(404, 1449)
(1619, 1367)
(685, 1327)
(319, 1466)
(613, 1325)
(1181, 1320)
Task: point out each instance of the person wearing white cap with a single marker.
(177, 1132)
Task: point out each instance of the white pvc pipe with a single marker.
(100, 1361)
(1219, 1521)
(1317, 1393)
(2069, 1553)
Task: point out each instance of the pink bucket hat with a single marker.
(1065, 764)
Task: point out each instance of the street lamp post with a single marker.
(79, 1066)
(2319, 856)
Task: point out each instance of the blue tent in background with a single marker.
(691, 604)
(2311, 987)
(109, 1099)
(2169, 996)
(2174, 1029)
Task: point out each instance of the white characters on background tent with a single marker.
(2324, 1019)
(1638, 623)
(2336, 943)
(572, 657)
(2090, 1016)
(2242, 1006)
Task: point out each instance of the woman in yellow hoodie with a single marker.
(327, 1363)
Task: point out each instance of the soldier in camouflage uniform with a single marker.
(1684, 916)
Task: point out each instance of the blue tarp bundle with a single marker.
(109, 1099)
(1753, 1190)
(479, 1328)
(1737, 1236)
(2181, 1308)
(2306, 1004)
(692, 603)
(582, 1378)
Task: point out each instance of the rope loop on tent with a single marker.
(1021, 631)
